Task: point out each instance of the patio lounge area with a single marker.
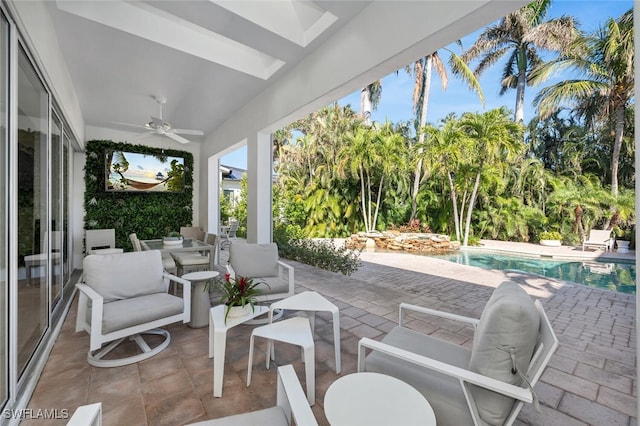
(591, 378)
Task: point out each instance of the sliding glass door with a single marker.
(4, 208)
(33, 218)
(56, 236)
(66, 237)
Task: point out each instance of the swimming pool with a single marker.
(613, 276)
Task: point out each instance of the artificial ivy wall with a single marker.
(148, 214)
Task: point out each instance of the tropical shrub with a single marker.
(414, 225)
(323, 254)
(551, 235)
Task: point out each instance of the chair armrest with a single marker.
(408, 307)
(176, 279)
(292, 399)
(461, 374)
(97, 309)
(186, 293)
(87, 415)
(285, 269)
(230, 271)
(89, 292)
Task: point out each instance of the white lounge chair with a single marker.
(598, 239)
(123, 297)
(101, 241)
(488, 384)
(260, 261)
(227, 232)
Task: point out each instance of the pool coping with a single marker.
(547, 252)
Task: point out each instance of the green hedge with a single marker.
(319, 253)
(148, 214)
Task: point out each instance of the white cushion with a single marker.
(106, 251)
(444, 393)
(125, 275)
(509, 322)
(121, 314)
(254, 260)
(272, 285)
(190, 259)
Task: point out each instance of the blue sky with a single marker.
(397, 88)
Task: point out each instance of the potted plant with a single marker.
(623, 239)
(238, 294)
(551, 239)
(172, 238)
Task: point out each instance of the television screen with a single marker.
(136, 172)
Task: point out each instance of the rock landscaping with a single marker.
(394, 240)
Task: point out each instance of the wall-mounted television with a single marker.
(137, 172)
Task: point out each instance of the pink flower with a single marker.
(242, 284)
(227, 277)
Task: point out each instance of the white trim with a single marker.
(12, 215)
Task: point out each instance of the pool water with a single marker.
(613, 276)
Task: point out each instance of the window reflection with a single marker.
(33, 107)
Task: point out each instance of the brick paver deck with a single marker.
(591, 379)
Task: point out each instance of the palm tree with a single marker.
(496, 140)
(520, 35)
(422, 72)
(446, 147)
(359, 157)
(369, 100)
(605, 59)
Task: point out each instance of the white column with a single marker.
(259, 166)
(212, 184)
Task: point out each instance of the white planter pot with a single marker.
(551, 243)
(623, 246)
(239, 311)
(171, 241)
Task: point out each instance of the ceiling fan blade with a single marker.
(176, 137)
(188, 132)
(128, 124)
(141, 136)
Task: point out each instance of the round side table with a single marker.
(371, 399)
(200, 303)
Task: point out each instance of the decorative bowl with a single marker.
(172, 241)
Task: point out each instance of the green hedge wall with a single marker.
(148, 214)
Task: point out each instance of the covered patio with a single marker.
(591, 379)
(92, 70)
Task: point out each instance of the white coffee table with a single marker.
(376, 399)
(218, 339)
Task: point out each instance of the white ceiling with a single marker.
(207, 57)
(212, 58)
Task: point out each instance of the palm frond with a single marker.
(489, 59)
(461, 68)
(549, 99)
(441, 70)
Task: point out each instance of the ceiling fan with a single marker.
(160, 127)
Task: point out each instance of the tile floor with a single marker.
(591, 379)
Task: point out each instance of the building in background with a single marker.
(230, 183)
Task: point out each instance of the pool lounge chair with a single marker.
(598, 239)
